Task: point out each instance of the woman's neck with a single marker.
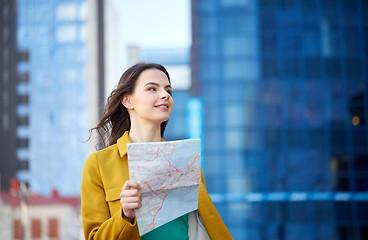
(146, 133)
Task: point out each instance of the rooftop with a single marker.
(33, 199)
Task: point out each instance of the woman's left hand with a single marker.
(130, 199)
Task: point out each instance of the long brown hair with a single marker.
(115, 119)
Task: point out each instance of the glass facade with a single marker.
(284, 86)
(54, 35)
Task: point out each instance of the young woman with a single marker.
(137, 111)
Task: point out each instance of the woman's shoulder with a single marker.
(107, 152)
(106, 149)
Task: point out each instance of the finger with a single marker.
(131, 200)
(130, 193)
(131, 206)
(131, 184)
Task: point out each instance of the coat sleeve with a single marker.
(212, 221)
(97, 222)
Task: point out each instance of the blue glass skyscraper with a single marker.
(54, 33)
(285, 102)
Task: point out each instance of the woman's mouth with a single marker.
(163, 106)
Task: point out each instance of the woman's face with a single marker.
(151, 100)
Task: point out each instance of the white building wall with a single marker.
(69, 221)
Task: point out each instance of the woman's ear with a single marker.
(126, 102)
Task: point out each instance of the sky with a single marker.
(146, 24)
(155, 23)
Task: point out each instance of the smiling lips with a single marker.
(163, 106)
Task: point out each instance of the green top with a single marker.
(176, 229)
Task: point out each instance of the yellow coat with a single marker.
(104, 175)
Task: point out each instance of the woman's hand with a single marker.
(130, 199)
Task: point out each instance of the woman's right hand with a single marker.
(130, 199)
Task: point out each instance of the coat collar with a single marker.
(122, 143)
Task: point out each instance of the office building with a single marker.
(64, 88)
(8, 93)
(284, 91)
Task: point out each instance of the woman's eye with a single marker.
(169, 92)
(152, 89)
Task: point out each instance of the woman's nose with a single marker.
(165, 95)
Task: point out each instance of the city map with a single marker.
(169, 174)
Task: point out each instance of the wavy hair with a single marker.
(115, 119)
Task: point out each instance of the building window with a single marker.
(5, 33)
(23, 121)
(23, 78)
(17, 229)
(235, 115)
(53, 228)
(82, 14)
(6, 54)
(22, 99)
(36, 228)
(5, 76)
(345, 232)
(23, 142)
(67, 33)
(270, 67)
(5, 98)
(239, 46)
(340, 171)
(5, 121)
(361, 172)
(234, 139)
(23, 165)
(291, 67)
(235, 3)
(23, 56)
(67, 12)
(244, 70)
(312, 67)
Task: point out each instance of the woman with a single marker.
(137, 111)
